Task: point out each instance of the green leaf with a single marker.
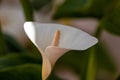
(104, 59)
(22, 67)
(21, 72)
(82, 8)
(70, 8)
(97, 8)
(18, 59)
(13, 45)
(24, 72)
(111, 22)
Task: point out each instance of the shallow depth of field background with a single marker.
(12, 20)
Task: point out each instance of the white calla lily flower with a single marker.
(53, 40)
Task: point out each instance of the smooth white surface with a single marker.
(70, 38)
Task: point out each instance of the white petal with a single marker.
(54, 53)
(31, 33)
(51, 55)
(46, 67)
(70, 38)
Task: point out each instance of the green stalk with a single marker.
(2, 43)
(91, 66)
(28, 10)
(90, 73)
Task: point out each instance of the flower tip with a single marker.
(30, 31)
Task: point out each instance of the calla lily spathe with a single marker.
(70, 38)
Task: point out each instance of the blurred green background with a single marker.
(20, 60)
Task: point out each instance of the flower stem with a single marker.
(2, 43)
(28, 10)
(91, 69)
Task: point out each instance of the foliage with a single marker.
(111, 22)
(17, 63)
(78, 61)
(82, 8)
